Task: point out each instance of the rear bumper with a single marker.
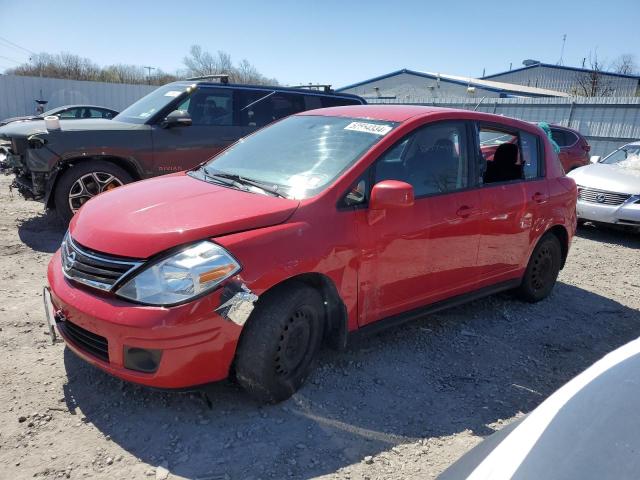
(197, 344)
(626, 214)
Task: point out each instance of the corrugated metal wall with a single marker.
(564, 80)
(18, 94)
(606, 122)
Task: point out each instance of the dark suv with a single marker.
(175, 127)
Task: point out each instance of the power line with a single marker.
(11, 59)
(17, 46)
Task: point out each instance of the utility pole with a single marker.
(149, 73)
(564, 40)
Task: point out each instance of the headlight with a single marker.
(182, 276)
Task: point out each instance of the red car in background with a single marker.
(325, 223)
(574, 148)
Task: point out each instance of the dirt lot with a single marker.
(404, 404)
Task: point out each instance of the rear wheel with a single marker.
(542, 271)
(84, 181)
(280, 342)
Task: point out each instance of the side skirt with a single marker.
(396, 320)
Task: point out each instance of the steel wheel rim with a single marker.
(90, 185)
(294, 343)
(542, 269)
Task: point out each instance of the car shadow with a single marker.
(462, 369)
(622, 236)
(42, 232)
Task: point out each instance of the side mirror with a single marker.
(391, 194)
(177, 118)
(595, 159)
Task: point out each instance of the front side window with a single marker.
(209, 107)
(71, 113)
(300, 155)
(434, 159)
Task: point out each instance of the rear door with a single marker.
(511, 209)
(213, 129)
(421, 254)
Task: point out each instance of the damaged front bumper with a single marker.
(195, 343)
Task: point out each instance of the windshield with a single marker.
(301, 155)
(628, 152)
(149, 105)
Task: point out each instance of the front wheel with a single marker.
(542, 271)
(280, 342)
(84, 181)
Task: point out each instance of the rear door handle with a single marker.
(539, 197)
(466, 211)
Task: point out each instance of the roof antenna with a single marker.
(564, 40)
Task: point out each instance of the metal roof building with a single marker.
(567, 79)
(411, 86)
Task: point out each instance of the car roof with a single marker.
(402, 113)
(305, 91)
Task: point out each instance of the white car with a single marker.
(609, 189)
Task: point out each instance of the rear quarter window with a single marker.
(531, 158)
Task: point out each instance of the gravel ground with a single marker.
(403, 404)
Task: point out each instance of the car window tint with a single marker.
(500, 151)
(94, 113)
(338, 101)
(563, 138)
(434, 159)
(209, 107)
(312, 102)
(530, 161)
(71, 113)
(254, 108)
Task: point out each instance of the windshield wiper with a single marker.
(239, 179)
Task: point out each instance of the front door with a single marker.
(182, 147)
(417, 255)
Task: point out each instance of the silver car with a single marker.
(609, 189)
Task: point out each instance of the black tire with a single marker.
(280, 342)
(86, 169)
(542, 271)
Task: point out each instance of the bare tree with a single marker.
(593, 82)
(625, 64)
(200, 62)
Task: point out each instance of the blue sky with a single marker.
(327, 41)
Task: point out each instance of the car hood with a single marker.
(613, 178)
(25, 129)
(148, 217)
(17, 119)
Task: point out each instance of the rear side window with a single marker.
(260, 108)
(531, 163)
(338, 101)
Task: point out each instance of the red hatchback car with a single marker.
(320, 225)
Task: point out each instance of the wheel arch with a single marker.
(336, 316)
(127, 165)
(561, 233)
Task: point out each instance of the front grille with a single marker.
(602, 197)
(89, 342)
(91, 268)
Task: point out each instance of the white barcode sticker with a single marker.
(368, 128)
